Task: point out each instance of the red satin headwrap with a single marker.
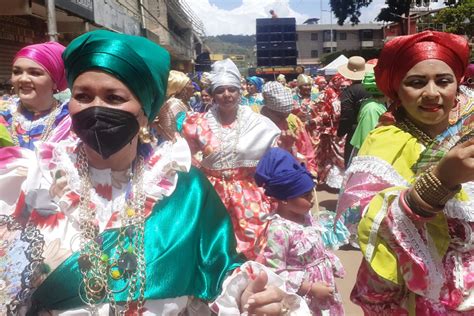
(399, 55)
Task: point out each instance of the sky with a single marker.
(238, 16)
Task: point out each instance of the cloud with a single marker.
(240, 20)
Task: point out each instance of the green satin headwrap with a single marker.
(140, 64)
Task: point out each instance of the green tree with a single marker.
(458, 19)
(395, 11)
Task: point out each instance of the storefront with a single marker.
(16, 32)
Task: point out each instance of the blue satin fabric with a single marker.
(189, 250)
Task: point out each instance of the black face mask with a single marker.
(106, 130)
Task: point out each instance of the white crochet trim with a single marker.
(463, 210)
(425, 252)
(376, 167)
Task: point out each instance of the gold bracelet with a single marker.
(432, 191)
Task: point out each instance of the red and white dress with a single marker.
(229, 157)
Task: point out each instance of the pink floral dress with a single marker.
(412, 265)
(229, 157)
(296, 252)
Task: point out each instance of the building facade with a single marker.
(315, 40)
(170, 23)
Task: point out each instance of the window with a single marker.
(327, 36)
(326, 50)
(314, 36)
(314, 54)
(366, 35)
(342, 36)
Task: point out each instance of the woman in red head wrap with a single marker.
(34, 114)
(416, 229)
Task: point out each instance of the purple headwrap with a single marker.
(282, 176)
(49, 56)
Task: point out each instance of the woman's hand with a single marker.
(286, 140)
(260, 299)
(457, 166)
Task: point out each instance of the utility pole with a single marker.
(51, 13)
(142, 17)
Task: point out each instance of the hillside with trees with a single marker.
(234, 45)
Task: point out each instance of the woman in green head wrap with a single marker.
(123, 226)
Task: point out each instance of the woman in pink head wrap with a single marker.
(34, 114)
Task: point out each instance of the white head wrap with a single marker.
(224, 73)
(277, 98)
(304, 79)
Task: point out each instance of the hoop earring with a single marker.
(145, 136)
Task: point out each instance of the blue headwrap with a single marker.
(257, 82)
(282, 176)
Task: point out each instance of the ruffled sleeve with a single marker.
(227, 304)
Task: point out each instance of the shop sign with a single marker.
(82, 8)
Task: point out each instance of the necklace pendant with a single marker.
(127, 262)
(130, 212)
(84, 263)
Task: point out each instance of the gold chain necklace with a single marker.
(127, 261)
(407, 125)
(46, 131)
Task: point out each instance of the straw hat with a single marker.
(355, 68)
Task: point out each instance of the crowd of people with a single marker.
(128, 188)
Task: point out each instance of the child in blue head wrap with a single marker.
(293, 244)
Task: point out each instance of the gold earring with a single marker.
(145, 136)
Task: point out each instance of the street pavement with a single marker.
(350, 259)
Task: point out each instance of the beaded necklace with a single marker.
(126, 263)
(47, 128)
(407, 125)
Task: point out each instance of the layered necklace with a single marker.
(407, 125)
(227, 162)
(125, 264)
(47, 128)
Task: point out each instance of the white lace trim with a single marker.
(425, 253)
(28, 125)
(376, 167)
(173, 157)
(374, 228)
(463, 210)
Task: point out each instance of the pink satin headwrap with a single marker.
(399, 55)
(48, 55)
